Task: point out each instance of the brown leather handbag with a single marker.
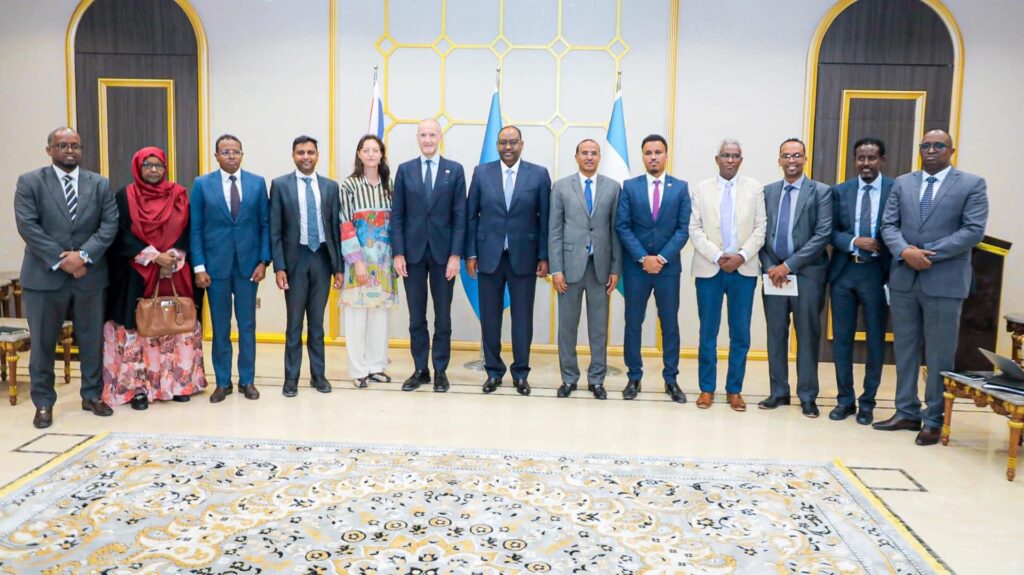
(156, 316)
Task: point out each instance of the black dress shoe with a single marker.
(772, 402)
(182, 398)
(809, 409)
(418, 378)
(249, 391)
(896, 423)
(598, 391)
(841, 412)
(140, 402)
(928, 436)
(97, 407)
(631, 390)
(491, 384)
(865, 417)
(564, 390)
(290, 388)
(321, 384)
(675, 393)
(43, 418)
(220, 393)
(440, 382)
(521, 386)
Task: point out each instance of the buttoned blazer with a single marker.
(953, 226)
(844, 222)
(812, 229)
(439, 223)
(572, 228)
(285, 221)
(217, 238)
(44, 222)
(641, 235)
(749, 222)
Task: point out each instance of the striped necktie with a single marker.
(926, 199)
(71, 196)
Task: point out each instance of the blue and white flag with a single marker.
(615, 159)
(376, 111)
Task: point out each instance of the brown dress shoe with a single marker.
(249, 391)
(97, 407)
(43, 418)
(736, 402)
(220, 393)
(705, 400)
(928, 436)
(897, 423)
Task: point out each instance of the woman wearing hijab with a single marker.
(149, 253)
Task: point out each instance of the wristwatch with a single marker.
(85, 256)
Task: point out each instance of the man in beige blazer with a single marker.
(727, 229)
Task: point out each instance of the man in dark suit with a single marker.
(304, 239)
(857, 275)
(428, 230)
(68, 218)
(653, 223)
(230, 214)
(932, 220)
(586, 258)
(799, 212)
(507, 241)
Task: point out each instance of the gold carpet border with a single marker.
(53, 463)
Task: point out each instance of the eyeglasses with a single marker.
(796, 156)
(65, 147)
(937, 146)
(508, 143)
(590, 154)
(152, 166)
(230, 153)
(732, 156)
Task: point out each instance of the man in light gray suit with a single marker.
(932, 220)
(68, 218)
(799, 212)
(585, 259)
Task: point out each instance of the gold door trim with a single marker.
(144, 84)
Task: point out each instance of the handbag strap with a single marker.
(156, 288)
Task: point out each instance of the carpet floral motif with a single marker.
(135, 503)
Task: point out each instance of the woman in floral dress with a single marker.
(371, 285)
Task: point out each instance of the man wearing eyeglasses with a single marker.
(230, 214)
(799, 213)
(68, 218)
(507, 242)
(932, 220)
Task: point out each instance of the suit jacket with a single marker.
(525, 223)
(572, 228)
(285, 222)
(44, 222)
(217, 239)
(844, 221)
(812, 229)
(955, 224)
(439, 223)
(641, 235)
(749, 221)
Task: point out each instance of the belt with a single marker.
(862, 260)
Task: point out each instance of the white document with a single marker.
(789, 289)
(886, 288)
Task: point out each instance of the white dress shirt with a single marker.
(876, 198)
(650, 200)
(303, 216)
(941, 176)
(729, 238)
(433, 169)
(226, 184)
(504, 173)
(794, 196)
(593, 187)
(74, 183)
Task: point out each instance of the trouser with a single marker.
(738, 290)
(309, 287)
(859, 285)
(422, 274)
(238, 291)
(521, 289)
(570, 307)
(806, 310)
(639, 285)
(366, 340)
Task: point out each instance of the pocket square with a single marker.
(447, 171)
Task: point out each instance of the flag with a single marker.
(376, 111)
(488, 153)
(615, 161)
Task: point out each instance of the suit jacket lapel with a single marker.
(499, 175)
(520, 178)
(86, 191)
(772, 198)
(805, 196)
(944, 189)
(646, 198)
(217, 189)
(915, 197)
(56, 190)
(575, 184)
(440, 179)
(883, 197)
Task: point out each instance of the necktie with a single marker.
(236, 198)
(588, 193)
(864, 229)
(71, 195)
(510, 185)
(726, 210)
(782, 232)
(657, 200)
(428, 181)
(926, 200)
(312, 229)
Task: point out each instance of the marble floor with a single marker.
(956, 499)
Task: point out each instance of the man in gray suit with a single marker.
(304, 240)
(932, 220)
(799, 212)
(68, 218)
(585, 259)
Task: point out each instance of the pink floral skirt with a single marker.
(159, 367)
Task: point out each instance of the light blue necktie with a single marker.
(510, 185)
(726, 210)
(926, 199)
(782, 232)
(428, 182)
(588, 193)
(312, 230)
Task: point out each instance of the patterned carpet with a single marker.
(132, 503)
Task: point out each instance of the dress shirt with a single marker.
(876, 197)
(226, 184)
(593, 187)
(941, 177)
(433, 169)
(74, 182)
(733, 238)
(794, 196)
(504, 173)
(303, 216)
(661, 200)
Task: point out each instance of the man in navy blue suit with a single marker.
(653, 223)
(507, 241)
(428, 229)
(857, 276)
(230, 213)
